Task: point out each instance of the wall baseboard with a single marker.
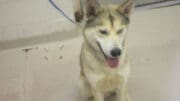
(159, 4)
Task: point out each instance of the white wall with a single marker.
(27, 18)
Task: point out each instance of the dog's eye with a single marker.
(103, 32)
(120, 31)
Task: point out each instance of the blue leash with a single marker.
(61, 11)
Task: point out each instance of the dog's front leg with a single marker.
(122, 92)
(98, 96)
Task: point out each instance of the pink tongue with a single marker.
(113, 62)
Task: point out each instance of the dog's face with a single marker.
(105, 29)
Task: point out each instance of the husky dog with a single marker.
(104, 64)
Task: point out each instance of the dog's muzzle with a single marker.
(113, 61)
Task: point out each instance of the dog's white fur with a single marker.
(96, 78)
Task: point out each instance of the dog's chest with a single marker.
(109, 82)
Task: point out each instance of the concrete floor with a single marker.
(49, 72)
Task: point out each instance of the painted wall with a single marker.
(28, 18)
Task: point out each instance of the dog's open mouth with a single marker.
(112, 62)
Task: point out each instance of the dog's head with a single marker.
(105, 28)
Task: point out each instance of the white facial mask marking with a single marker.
(106, 46)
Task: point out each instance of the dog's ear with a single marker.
(79, 13)
(126, 7)
(92, 8)
(86, 9)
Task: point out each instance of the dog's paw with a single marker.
(90, 98)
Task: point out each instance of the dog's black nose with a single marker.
(116, 52)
